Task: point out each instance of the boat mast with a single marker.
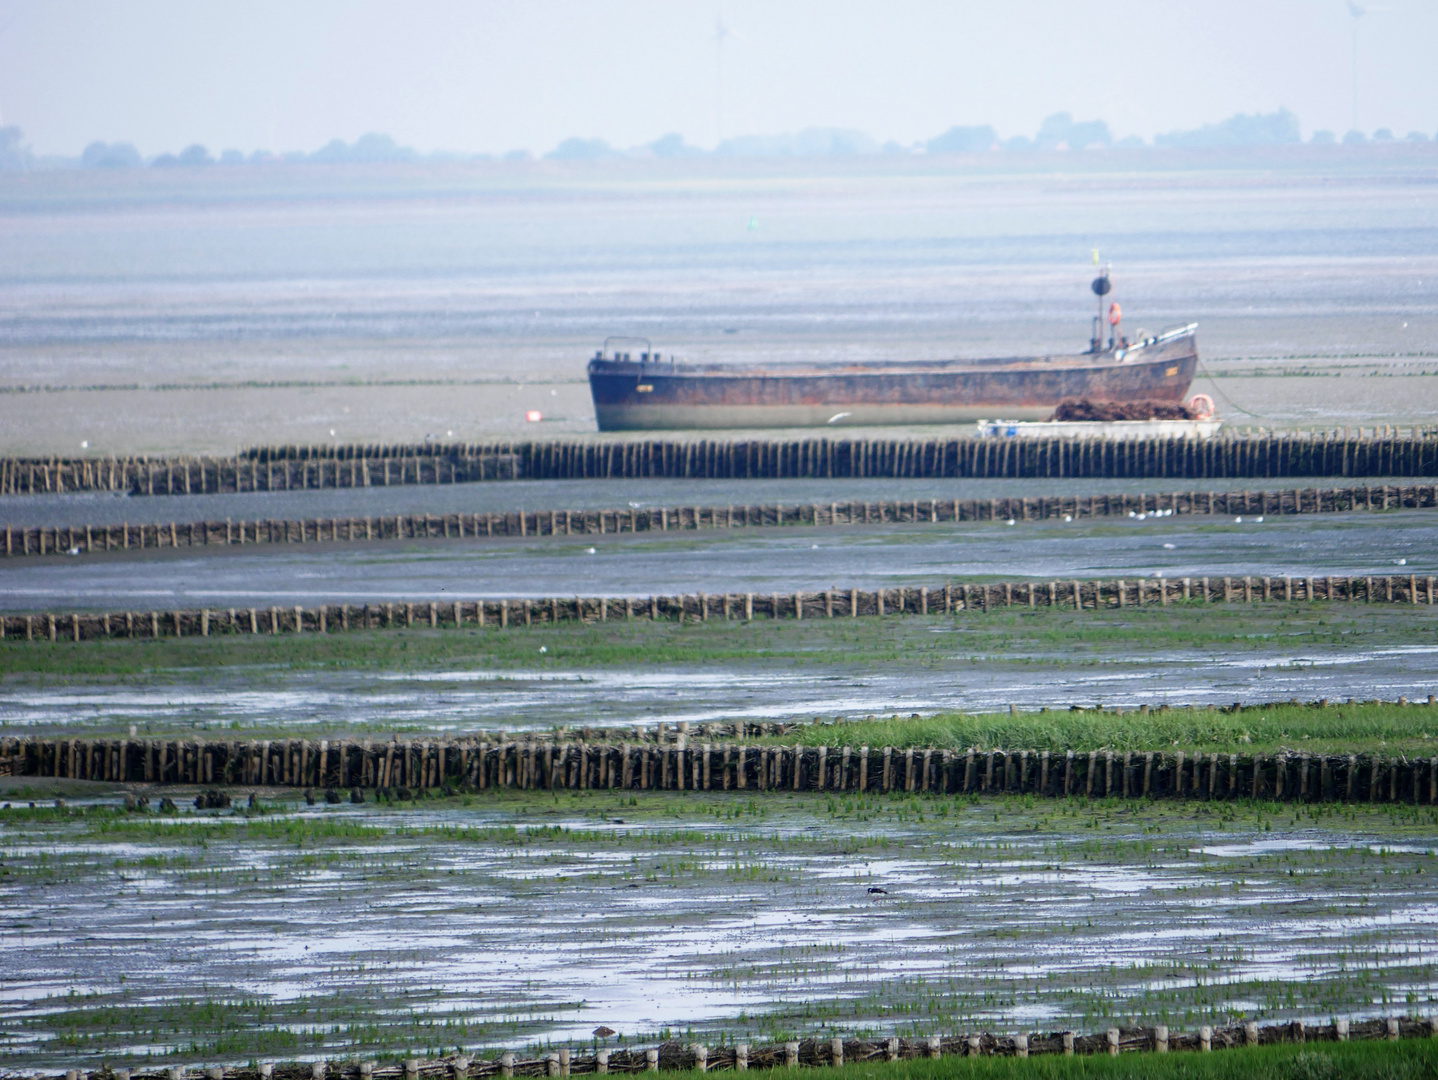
(1101, 287)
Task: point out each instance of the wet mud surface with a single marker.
(459, 700)
(759, 561)
(90, 508)
(502, 921)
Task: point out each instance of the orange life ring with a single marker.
(1201, 405)
(1114, 313)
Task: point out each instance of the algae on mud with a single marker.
(530, 917)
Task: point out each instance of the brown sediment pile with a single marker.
(1104, 411)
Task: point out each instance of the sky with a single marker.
(476, 76)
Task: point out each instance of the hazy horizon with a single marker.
(490, 78)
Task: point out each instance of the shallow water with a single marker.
(88, 508)
(737, 561)
(687, 919)
(470, 700)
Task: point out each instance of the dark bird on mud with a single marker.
(603, 1032)
(875, 889)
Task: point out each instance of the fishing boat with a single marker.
(636, 388)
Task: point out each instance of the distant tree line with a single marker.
(1059, 132)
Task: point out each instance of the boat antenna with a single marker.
(1101, 287)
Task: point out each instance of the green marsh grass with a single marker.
(1041, 637)
(1412, 1059)
(1378, 727)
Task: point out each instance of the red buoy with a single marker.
(1114, 313)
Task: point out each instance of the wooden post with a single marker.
(1160, 1039)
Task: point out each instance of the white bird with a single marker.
(589, 551)
(1168, 547)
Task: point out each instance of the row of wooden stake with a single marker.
(832, 1052)
(1409, 589)
(532, 764)
(85, 539)
(1260, 454)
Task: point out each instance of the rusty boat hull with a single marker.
(653, 395)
